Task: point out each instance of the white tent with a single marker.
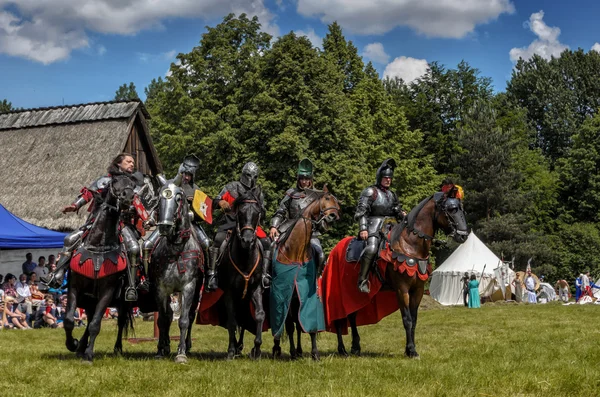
(472, 257)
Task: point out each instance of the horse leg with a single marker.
(338, 330)
(415, 301)
(314, 353)
(84, 341)
(355, 336)
(165, 316)
(96, 322)
(403, 301)
(186, 300)
(192, 316)
(239, 344)
(299, 340)
(259, 315)
(231, 325)
(289, 328)
(121, 321)
(69, 322)
(276, 347)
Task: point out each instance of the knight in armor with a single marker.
(291, 207)
(224, 200)
(96, 192)
(376, 204)
(185, 178)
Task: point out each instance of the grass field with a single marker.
(498, 350)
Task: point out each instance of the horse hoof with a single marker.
(276, 352)
(342, 351)
(181, 359)
(239, 349)
(72, 347)
(118, 351)
(293, 356)
(355, 352)
(299, 352)
(255, 354)
(412, 354)
(315, 356)
(230, 356)
(159, 356)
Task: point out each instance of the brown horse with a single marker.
(294, 293)
(404, 263)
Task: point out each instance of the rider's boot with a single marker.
(266, 267)
(55, 279)
(131, 293)
(211, 273)
(363, 279)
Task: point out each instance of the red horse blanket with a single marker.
(341, 294)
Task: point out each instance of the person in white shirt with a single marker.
(530, 287)
(24, 295)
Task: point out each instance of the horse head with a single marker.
(450, 214)
(324, 210)
(249, 210)
(121, 192)
(172, 209)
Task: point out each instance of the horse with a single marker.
(294, 297)
(176, 265)
(97, 268)
(404, 263)
(240, 269)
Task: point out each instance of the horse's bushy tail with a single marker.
(128, 314)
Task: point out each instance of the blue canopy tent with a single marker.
(16, 233)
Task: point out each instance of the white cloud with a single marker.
(435, 18)
(596, 47)
(101, 50)
(47, 31)
(406, 68)
(310, 34)
(169, 55)
(546, 45)
(376, 53)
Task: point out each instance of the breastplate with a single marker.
(383, 204)
(299, 201)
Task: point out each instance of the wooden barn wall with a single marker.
(139, 148)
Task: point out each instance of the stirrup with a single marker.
(212, 282)
(363, 286)
(144, 286)
(131, 294)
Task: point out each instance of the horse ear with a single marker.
(325, 189)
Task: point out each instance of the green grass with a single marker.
(498, 350)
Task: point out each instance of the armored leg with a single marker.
(55, 279)
(213, 252)
(133, 252)
(268, 248)
(319, 255)
(202, 237)
(366, 260)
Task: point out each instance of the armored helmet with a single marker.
(249, 175)
(190, 165)
(385, 170)
(305, 170)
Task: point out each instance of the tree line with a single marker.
(527, 158)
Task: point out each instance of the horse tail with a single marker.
(128, 315)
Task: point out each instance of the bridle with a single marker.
(247, 227)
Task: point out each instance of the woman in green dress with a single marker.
(474, 301)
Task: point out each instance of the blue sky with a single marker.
(77, 51)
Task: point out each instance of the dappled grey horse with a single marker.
(176, 265)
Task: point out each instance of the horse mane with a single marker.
(409, 221)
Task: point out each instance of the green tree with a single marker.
(344, 55)
(5, 106)
(126, 93)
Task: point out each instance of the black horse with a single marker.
(97, 275)
(176, 265)
(240, 267)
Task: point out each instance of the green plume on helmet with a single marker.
(305, 168)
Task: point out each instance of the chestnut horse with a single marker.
(404, 265)
(294, 296)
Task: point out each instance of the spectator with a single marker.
(577, 288)
(465, 281)
(14, 318)
(51, 261)
(41, 270)
(36, 296)
(474, 302)
(24, 297)
(28, 265)
(530, 287)
(585, 283)
(563, 290)
(9, 286)
(45, 316)
(518, 284)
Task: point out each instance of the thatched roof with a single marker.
(44, 164)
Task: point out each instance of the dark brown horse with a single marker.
(294, 297)
(404, 265)
(96, 278)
